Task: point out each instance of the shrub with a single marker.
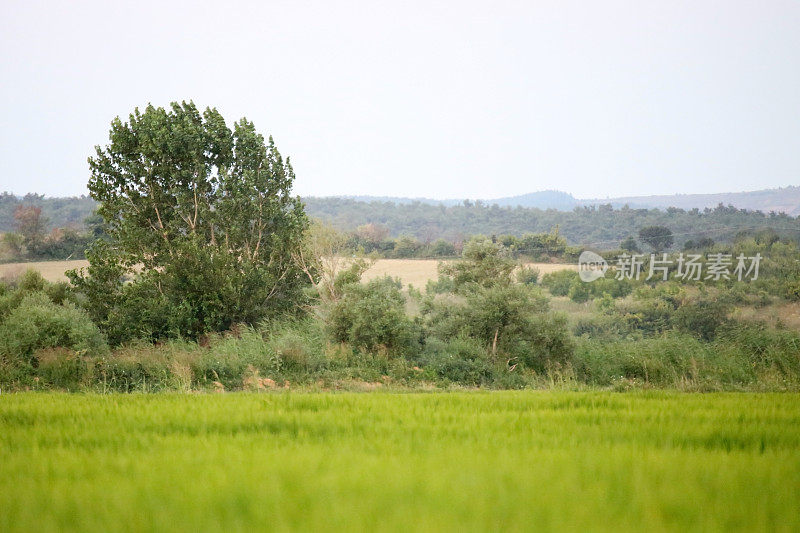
(528, 275)
(511, 321)
(649, 317)
(296, 345)
(483, 263)
(579, 291)
(441, 285)
(63, 368)
(702, 318)
(38, 323)
(559, 282)
(616, 288)
(372, 316)
(460, 360)
(442, 248)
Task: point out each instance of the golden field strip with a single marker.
(415, 272)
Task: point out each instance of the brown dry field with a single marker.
(50, 270)
(417, 272)
(414, 272)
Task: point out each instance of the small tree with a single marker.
(658, 237)
(31, 225)
(629, 244)
(483, 263)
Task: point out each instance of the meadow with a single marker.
(462, 461)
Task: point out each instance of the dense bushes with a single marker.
(483, 323)
(509, 320)
(36, 315)
(742, 357)
(38, 323)
(372, 317)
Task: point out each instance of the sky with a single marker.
(429, 99)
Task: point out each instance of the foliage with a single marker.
(602, 226)
(372, 317)
(559, 282)
(658, 237)
(484, 263)
(200, 217)
(55, 212)
(38, 323)
(508, 319)
(459, 360)
(702, 318)
(528, 275)
(630, 245)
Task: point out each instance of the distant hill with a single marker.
(781, 200)
(541, 200)
(59, 212)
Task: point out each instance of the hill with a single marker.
(780, 200)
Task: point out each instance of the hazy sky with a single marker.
(436, 99)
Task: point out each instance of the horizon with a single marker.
(454, 198)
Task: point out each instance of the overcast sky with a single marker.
(436, 99)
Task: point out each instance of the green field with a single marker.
(384, 461)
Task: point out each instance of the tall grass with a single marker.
(399, 462)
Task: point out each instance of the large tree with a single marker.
(200, 217)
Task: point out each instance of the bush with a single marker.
(483, 263)
(441, 285)
(460, 360)
(296, 345)
(442, 248)
(38, 323)
(559, 282)
(702, 318)
(63, 368)
(372, 317)
(528, 275)
(511, 321)
(579, 291)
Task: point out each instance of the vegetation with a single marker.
(416, 229)
(461, 461)
(205, 274)
(200, 218)
(601, 226)
(485, 322)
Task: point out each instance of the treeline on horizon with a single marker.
(602, 227)
(417, 229)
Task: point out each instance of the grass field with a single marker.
(410, 271)
(400, 462)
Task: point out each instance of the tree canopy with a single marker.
(200, 216)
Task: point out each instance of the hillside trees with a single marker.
(199, 218)
(658, 237)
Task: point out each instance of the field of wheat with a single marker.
(477, 461)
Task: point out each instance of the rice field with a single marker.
(462, 461)
(416, 272)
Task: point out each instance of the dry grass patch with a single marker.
(414, 272)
